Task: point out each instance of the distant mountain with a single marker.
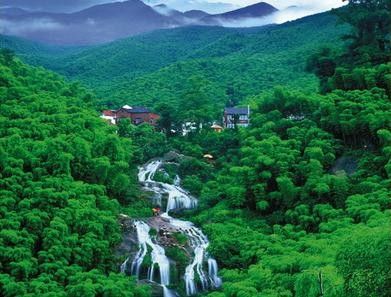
(58, 6)
(148, 68)
(165, 10)
(196, 14)
(257, 10)
(12, 11)
(98, 24)
(176, 15)
(111, 21)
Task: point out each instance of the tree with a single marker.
(195, 105)
(7, 55)
(371, 22)
(167, 121)
(323, 65)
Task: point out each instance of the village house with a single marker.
(236, 116)
(136, 114)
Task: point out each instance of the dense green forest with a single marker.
(156, 68)
(298, 204)
(63, 177)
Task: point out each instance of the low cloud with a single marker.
(164, 10)
(185, 5)
(217, 6)
(24, 27)
(53, 5)
(279, 17)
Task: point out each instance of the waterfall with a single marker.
(123, 266)
(142, 237)
(178, 198)
(212, 271)
(158, 257)
(147, 172)
(177, 181)
(199, 242)
(168, 293)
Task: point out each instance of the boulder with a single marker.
(172, 156)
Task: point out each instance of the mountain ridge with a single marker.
(111, 21)
(257, 10)
(155, 65)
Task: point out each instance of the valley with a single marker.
(200, 160)
(147, 70)
(107, 22)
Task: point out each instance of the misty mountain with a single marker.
(131, 68)
(257, 10)
(58, 6)
(110, 21)
(196, 14)
(12, 11)
(98, 24)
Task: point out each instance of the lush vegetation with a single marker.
(159, 67)
(298, 204)
(237, 66)
(285, 212)
(63, 175)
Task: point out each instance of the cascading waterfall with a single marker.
(157, 256)
(212, 271)
(123, 266)
(147, 172)
(178, 198)
(142, 237)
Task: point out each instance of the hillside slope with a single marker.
(257, 10)
(94, 25)
(108, 22)
(155, 67)
(59, 168)
(239, 64)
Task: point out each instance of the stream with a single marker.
(201, 273)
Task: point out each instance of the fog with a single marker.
(53, 5)
(279, 17)
(217, 6)
(185, 5)
(23, 27)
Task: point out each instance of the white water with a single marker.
(178, 198)
(158, 257)
(212, 271)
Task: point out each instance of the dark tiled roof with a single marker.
(236, 110)
(137, 109)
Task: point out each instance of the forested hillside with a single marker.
(35, 53)
(295, 205)
(235, 63)
(298, 204)
(63, 175)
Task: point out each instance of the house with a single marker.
(236, 116)
(109, 115)
(136, 114)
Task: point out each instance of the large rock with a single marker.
(173, 156)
